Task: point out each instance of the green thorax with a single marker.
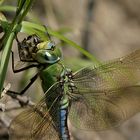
(50, 75)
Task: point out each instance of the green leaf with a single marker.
(73, 44)
(7, 8)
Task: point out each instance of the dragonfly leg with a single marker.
(23, 100)
(21, 69)
(32, 80)
(18, 95)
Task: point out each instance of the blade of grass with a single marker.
(5, 59)
(73, 44)
(7, 8)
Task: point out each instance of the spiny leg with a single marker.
(32, 80)
(15, 95)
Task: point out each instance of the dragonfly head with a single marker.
(47, 53)
(34, 49)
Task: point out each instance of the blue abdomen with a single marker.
(64, 132)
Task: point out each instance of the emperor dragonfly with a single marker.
(94, 98)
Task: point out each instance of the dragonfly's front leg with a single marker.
(14, 94)
(23, 100)
(32, 80)
(23, 68)
(18, 95)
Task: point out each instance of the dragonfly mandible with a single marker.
(93, 98)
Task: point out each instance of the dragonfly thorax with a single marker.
(66, 81)
(66, 76)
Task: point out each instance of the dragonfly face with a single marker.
(94, 98)
(32, 49)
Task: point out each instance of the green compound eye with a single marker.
(44, 57)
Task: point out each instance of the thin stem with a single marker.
(5, 57)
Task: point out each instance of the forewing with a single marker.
(38, 123)
(119, 73)
(99, 112)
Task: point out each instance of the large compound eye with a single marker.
(46, 57)
(51, 46)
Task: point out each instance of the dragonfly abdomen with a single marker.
(63, 114)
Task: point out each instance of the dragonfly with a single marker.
(94, 98)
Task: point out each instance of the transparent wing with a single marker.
(106, 96)
(119, 73)
(38, 123)
(99, 112)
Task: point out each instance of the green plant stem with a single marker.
(5, 57)
(9, 37)
(27, 7)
